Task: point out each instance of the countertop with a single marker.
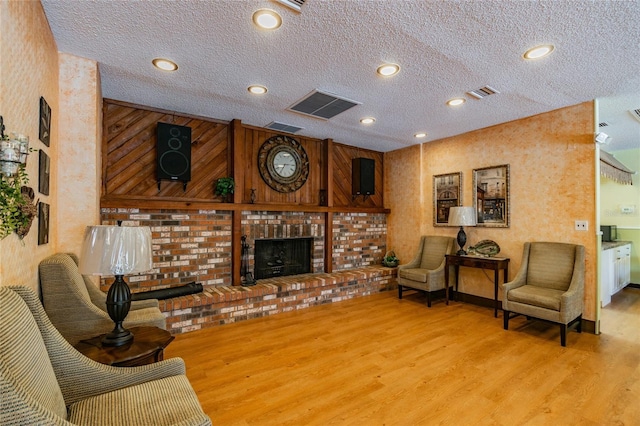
(614, 244)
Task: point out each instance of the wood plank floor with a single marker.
(378, 360)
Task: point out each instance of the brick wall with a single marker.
(195, 245)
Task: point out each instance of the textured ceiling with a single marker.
(444, 48)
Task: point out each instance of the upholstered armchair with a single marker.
(45, 381)
(426, 271)
(77, 307)
(549, 286)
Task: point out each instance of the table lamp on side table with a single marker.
(462, 216)
(117, 251)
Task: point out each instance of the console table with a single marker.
(494, 263)
(146, 347)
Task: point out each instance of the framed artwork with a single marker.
(491, 195)
(44, 169)
(43, 223)
(45, 122)
(447, 193)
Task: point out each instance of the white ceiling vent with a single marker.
(635, 113)
(483, 92)
(322, 105)
(281, 127)
(292, 4)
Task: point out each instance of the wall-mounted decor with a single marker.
(44, 168)
(491, 195)
(283, 163)
(447, 193)
(43, 223)
(45, 122)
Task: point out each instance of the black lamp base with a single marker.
(462, 240)
(118, 304)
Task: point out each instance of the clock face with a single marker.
(283, 163)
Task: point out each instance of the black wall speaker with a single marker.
(174, 152)
(363, 176)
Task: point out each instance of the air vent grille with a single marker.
(635, 113)
(281, 127)
(293, 4)
(483, 92)
(603, 124)
(322, 105)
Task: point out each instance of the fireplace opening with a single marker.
(282, 257)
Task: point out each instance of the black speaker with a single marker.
(174, 152)
(363, 176)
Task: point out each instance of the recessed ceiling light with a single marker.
(388, 70)
(165, 64)
(420, 135)
(456, 101)
(368, 120)
(257, 89)
(538, 51)
(267, 19)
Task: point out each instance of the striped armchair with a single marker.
(549, 286)
(45, 381)
(77, 308)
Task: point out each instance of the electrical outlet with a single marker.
(582, 225)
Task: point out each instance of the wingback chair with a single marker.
(426, 271)
(45, 381)
(77, 307)
(548, 286)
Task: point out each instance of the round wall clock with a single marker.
(283, 163)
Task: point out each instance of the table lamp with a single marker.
(117, 251)
(462, 216)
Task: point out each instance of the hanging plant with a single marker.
(16, 208)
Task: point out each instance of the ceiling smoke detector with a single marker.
(483, 92)
(292, 4)
(323, 105)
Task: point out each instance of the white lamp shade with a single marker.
(462, 216)
(116, 250)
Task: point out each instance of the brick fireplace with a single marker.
(196, 245)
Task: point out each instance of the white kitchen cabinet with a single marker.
(615, 271)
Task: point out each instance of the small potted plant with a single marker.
(390, 260)
(224, 188)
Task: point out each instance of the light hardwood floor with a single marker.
(378, 360)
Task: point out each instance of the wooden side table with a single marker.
(146, 347)
(493, 263)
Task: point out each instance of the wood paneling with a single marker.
(342, 156)
(130, 153)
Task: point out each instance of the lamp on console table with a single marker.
(117, 251)
(462, 216)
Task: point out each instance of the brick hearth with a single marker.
(218, 305)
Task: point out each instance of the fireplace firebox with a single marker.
(281, 257)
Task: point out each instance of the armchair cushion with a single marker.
(542, 297)
(415, 274)
(551, 265)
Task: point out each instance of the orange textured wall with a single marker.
(29, 69)
(552, 162)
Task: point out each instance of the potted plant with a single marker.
(224, 187)
(390, 260)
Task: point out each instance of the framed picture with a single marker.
(491, 195)
(45, 122)
(447, 193)
(44, 169)
(43, 223)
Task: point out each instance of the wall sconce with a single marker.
(462, 216)
(13, 151)
(117, 251)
